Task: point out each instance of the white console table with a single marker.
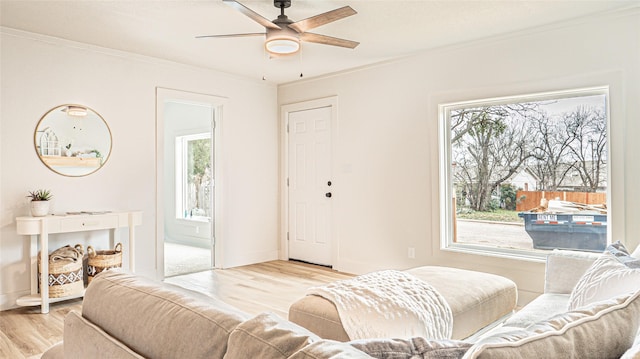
(43, 226)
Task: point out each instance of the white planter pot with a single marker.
(39, 208)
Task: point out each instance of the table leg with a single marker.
(33, 252)
(44, 267)
(132, 267)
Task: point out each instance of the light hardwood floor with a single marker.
(270, 286)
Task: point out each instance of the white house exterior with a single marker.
(524, 180)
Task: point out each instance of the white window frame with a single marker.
(446, 177)
(181, 146)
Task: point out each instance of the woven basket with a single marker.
(103, 260)
(65, 271)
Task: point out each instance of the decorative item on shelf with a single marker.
(66, 277)
(40, 202)
(67, 151)
(103, 260)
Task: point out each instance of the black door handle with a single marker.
(328, 194)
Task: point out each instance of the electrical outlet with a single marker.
(411, 252)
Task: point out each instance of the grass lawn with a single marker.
(499, 215)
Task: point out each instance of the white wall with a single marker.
(386, 182)
(39, 73)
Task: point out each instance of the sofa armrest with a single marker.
(54, 352)
(564, 269)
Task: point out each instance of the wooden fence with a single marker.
(532, 198)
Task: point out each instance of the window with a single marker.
(523, 175)
(193, 177)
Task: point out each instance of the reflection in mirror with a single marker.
(73, 140)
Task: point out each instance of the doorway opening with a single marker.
(187, 191)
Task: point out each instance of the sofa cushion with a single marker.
(607, 277)
(564, 268)
(602, 330)
(82, 339)
(157, 320)
(493, 297)
(267, 336)
(414, 348)
(476, 299)
(544, 306)
(320, 316)
(329, 349)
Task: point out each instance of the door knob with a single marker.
(328, 194)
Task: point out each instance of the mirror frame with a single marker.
(39, 132)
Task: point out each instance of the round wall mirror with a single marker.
(73, 140)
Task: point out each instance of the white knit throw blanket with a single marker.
(388, 304)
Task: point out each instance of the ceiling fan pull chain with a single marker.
(300, 58)
(264, 64)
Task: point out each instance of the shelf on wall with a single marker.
(71, 161)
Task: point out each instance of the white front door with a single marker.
(310, 187)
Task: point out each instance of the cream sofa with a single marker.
(125, 316)
(590, 308)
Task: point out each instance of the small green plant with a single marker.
(68, 146)
(40, 195)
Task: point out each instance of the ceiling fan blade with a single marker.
(324, 18)
(252, 14)
(233, 35)
(328, 40)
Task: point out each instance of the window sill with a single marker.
(538, 256)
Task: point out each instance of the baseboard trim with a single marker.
(8, 300)
(250, 258)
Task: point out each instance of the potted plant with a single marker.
(40, 202)
(67, 152)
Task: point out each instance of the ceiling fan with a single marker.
(283, 36)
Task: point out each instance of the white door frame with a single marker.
(284, 118)
(163, 94)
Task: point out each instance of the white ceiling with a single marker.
(386, 29)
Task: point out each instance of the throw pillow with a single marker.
(267, 336)
(414, 348)
(606, 278)
(622, 255)
(602, 330)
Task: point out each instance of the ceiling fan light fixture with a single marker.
(282, 46)
(282, 42)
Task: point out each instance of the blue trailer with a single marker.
(579, 231)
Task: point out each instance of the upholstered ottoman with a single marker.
(476, 300)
